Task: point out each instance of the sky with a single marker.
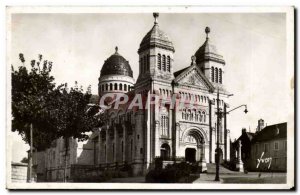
(253, 46)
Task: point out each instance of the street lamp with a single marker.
(220, 114)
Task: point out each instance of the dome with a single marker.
(116, 65)
(156, 38)
(208, 51)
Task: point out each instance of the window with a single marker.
(204, 117)
(276, 146)
(212, 74)
(266, 149)
(216, 75)
(220, 75)
(106, 87)
(141, 150)
(168, 64)
(125, 87)
(164, 124)
(164, 63)
(116, 86)
(120, 86)
(102, 87)
(111, 86)
(159, 62)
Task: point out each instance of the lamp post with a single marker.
(220, 114)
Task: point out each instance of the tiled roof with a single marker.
(271, 132)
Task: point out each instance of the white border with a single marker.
(164, 9)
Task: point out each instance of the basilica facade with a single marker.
(180, 126)
(172, 133)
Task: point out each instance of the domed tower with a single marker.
(155, 55)
(211, 62)
(116, 75)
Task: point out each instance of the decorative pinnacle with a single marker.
(207, 31)
(155, 15)
(193, 60)
(116, 48)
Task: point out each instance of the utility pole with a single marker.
(218, 144)
(30, 155)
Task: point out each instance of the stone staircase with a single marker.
(211, 168)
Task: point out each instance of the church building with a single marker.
(137, 137)
(181, 127)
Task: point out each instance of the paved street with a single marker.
(251, 177)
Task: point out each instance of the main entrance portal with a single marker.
(190, 155)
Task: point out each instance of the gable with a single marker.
(192, 76)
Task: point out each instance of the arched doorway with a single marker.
(194, 146)
(165, 151)
(190, 155)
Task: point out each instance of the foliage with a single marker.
(30, 98)
(176, 173)
(24, 160)
(53, 111)
(69, 108)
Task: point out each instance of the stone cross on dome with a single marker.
(116, 48)
(155, 15)
(207, 31)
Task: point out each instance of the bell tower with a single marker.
(211, 62)
(155, 55)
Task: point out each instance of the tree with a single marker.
(53, 112)
(30, 97)
(69, 106)
(24, 160)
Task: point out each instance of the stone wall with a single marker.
(18, 172)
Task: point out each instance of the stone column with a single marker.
(202, 163)
(157, 146)
(240, 165)
(124, 143)
(99, 146)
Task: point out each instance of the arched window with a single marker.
(200, 116)
(159, 62)
(164, 63)
(216, 75)
(120, 86)
(148, 62)
(168, 64)
(110, 86)
(102, 87)
(106, 87)
(125, 87)
(165, 151)
(201, 98)
(204, 116)
(212, 74)
(220, 75)
(116, 86)
(164, 92)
